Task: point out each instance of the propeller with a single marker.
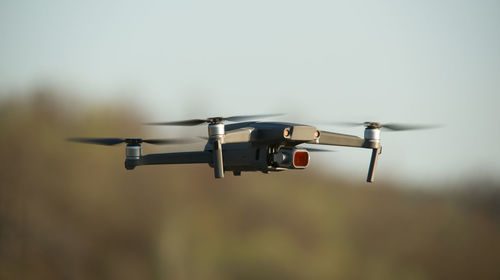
(315, 149)
(214, 120)
(391, 126)
(319, 150)
(116, 141)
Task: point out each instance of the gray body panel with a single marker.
(271, 133)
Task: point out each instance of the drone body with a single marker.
(251, 146)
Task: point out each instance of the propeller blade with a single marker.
(194, 122)
(401, 127)
(390, 126)
(347, 123)
(317, 150)
(98, 141)
(115, 141)
(310, 149)
(191, 122)
(168, 141)
(250, 117)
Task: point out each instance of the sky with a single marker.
(430, 62)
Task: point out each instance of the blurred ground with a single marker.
(70, 211)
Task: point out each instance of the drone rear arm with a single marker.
(170, 158)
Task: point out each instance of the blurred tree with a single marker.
(70, 211)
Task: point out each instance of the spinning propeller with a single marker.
(390, 126)
(130, 141)
(214, 120)
(372, 138)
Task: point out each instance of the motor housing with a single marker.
(133, 151)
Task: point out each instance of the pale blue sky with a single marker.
(406, 61)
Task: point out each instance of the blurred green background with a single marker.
(71, 211)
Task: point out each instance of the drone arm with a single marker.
(170, 158)
(338, 139)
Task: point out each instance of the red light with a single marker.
(300, 158)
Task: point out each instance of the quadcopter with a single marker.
(244, 145)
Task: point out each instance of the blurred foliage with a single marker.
(72, 211)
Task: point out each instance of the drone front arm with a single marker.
(338, 139)
(170, 158)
